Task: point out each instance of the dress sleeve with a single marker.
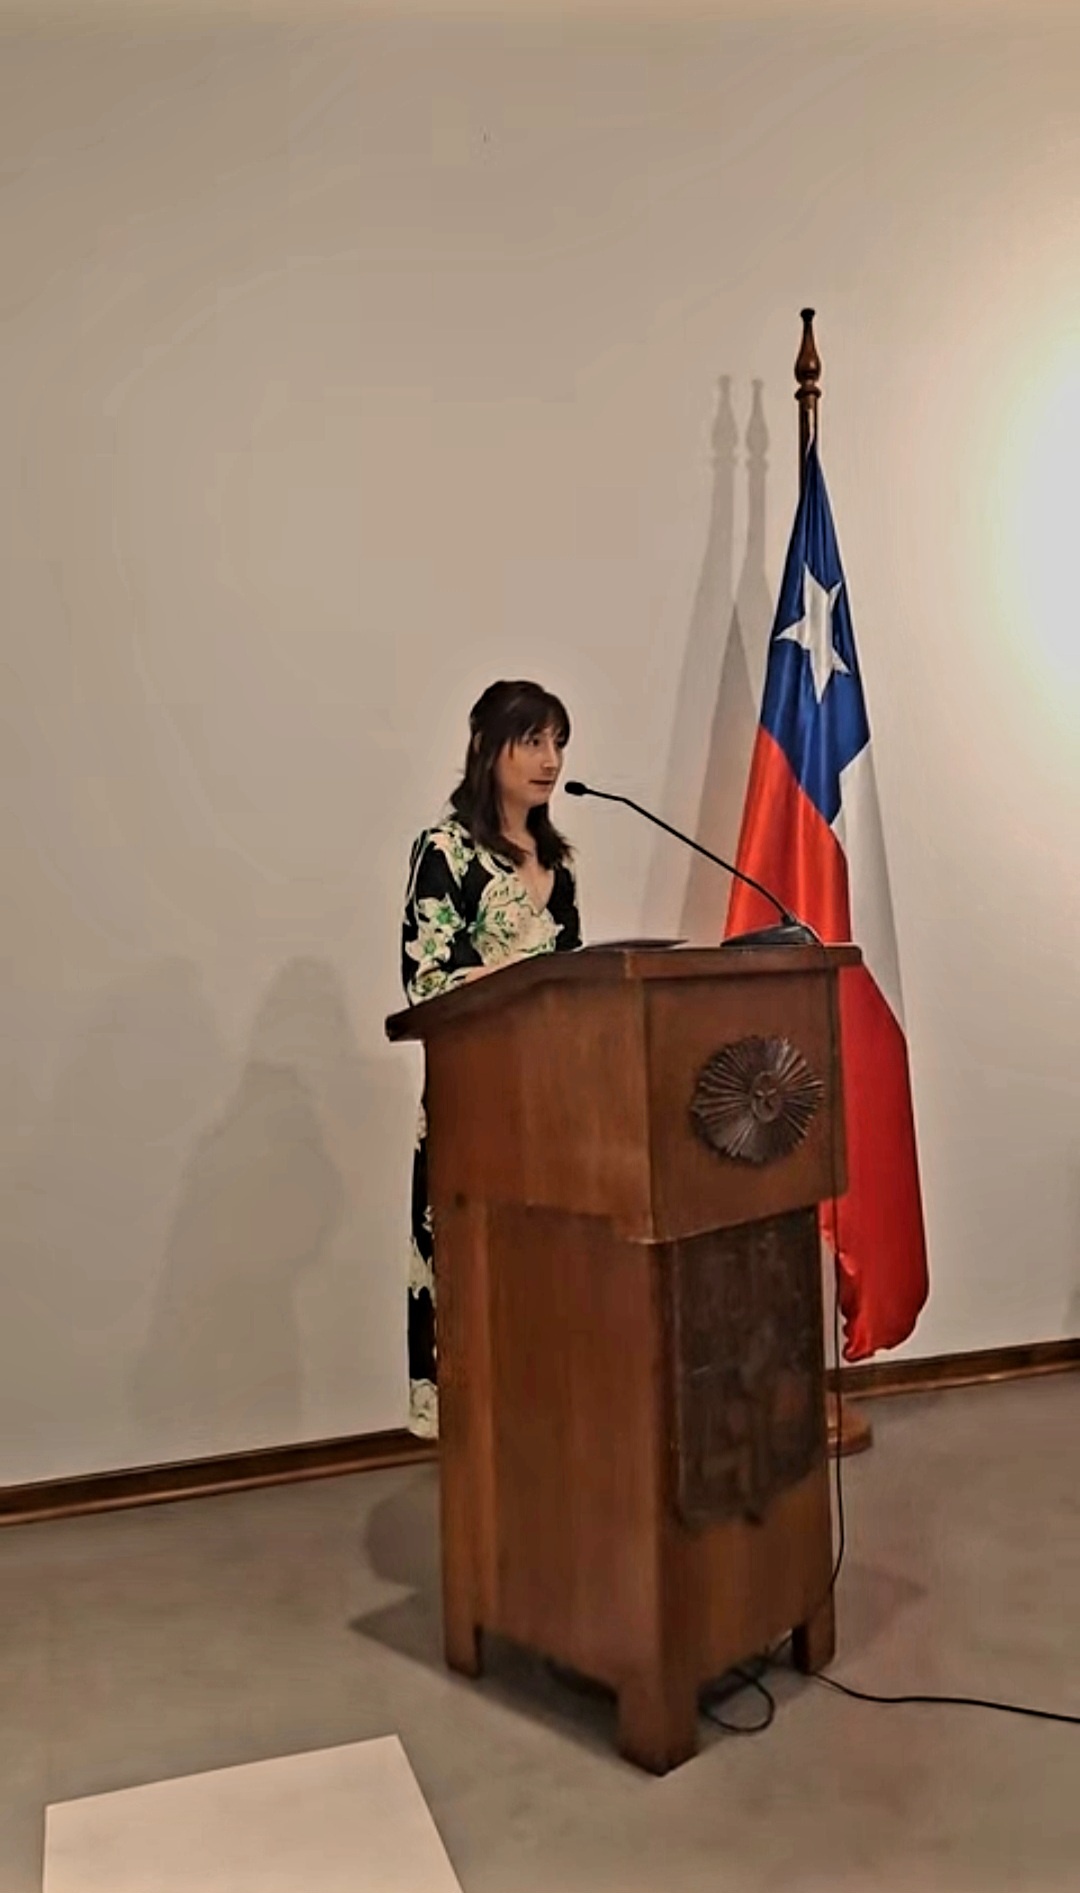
(437, 950)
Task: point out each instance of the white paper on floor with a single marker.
(338, 1820)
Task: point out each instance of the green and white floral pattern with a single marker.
(452, 842)
(467, 909)
(508, 925)
(437, 921)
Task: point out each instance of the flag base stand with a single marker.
(849, 1430)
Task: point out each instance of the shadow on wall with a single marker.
(735, 717)
(85, 1212)
(716, 711)
(352, 1307)
(260, 1202)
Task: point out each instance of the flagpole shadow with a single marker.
(702, 669)
(736, 703)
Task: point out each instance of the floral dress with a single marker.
(464, 908)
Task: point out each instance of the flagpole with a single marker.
(849, 1432)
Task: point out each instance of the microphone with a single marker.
(791, 931)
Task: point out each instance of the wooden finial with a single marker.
(808, 392)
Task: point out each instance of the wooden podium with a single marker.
(626, 1148)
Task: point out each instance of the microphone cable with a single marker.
(748, 1676)
(744, 1677)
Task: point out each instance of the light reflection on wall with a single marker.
(1037, 532)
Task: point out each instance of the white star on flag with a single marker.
(814, 632)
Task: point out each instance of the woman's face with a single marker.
(526, 772)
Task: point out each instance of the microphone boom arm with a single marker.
(797, 931)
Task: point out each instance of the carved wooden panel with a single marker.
(748, 1376)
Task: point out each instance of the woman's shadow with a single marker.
(259, 1203)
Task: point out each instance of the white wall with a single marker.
(346, 367)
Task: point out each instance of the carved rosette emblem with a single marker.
(754, 1100)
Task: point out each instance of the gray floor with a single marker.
(184, 1637)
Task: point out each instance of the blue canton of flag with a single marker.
(813, 705)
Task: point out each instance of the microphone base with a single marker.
(786, 933)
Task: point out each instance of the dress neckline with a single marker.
(538, 908)
(453, 820)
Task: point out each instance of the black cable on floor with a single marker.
(830, 1682)
(741, 1680)
(960, 1702)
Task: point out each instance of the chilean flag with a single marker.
(811, 831)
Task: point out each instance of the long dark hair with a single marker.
(508, 713)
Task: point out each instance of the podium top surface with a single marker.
(602, 965)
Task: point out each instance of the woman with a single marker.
(492, 883)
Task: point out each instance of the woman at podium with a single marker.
(490, 884)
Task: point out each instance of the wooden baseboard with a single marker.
(371, 1452)
(938, 1371)
(206, 1478)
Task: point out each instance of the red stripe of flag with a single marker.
(878, 1235)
